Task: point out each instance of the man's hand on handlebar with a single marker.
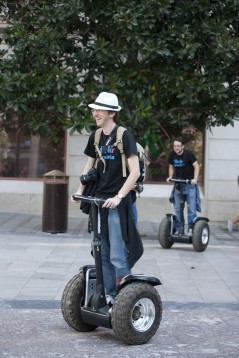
(112, 203)
(72, 198)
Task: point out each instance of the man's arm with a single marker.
(170, 172)
(133, 163)
(196, 172)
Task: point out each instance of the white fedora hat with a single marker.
(106, 101)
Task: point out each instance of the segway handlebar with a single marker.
(185, 181)
(88, 199)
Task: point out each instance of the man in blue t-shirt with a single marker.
(183, 165)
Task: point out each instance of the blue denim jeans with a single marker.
(135, 212)
(114, 254)
(189, 196)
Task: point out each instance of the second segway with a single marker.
(168, 233)
(136, 312)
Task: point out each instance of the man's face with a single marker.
(178, 147)
(102, 117)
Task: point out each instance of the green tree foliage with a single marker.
(173, 64)
(4, 145)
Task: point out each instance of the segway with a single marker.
(168, 233)
(136, 312)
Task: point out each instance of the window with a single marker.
(24, 156)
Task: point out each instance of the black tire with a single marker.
(201, 234)
(136, 313)
(71, 302)
(164, 233)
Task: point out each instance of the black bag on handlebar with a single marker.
(89, 190)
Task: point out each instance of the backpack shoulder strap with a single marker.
(119, 144)
(97, 136)
(97, 149)
(142, 155)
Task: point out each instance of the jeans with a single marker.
(135, 212)
(189, 196)
(114, 254)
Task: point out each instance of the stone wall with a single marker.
(221, 171)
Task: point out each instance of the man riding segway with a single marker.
(183, 172)
(134, 307)
(183, 165)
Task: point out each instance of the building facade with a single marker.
(219, 191)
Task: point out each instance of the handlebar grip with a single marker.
(88, 199)
(77, 197)
(185, 181)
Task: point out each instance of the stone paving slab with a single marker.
(183, 333)
(34, 267)
(200, 293)
(18, 223)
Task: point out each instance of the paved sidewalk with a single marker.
(17, 223)
(200, 293)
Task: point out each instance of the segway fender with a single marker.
(84, 269)
(200, 218)
(172, 219)
(126, 280)
(171, 216)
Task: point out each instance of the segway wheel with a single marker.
(71, 302)
(164, 233)
(136, 313)
(201, 234)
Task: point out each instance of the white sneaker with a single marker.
(109, 300)
(190, 232)
(230, 226)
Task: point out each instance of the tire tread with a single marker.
(122, 308)
(71, 302)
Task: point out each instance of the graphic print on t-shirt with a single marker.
(178, 163)
(108, 151)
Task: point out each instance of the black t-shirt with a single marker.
(110, 181)
(183, 164)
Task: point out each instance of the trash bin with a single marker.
(55, 202)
